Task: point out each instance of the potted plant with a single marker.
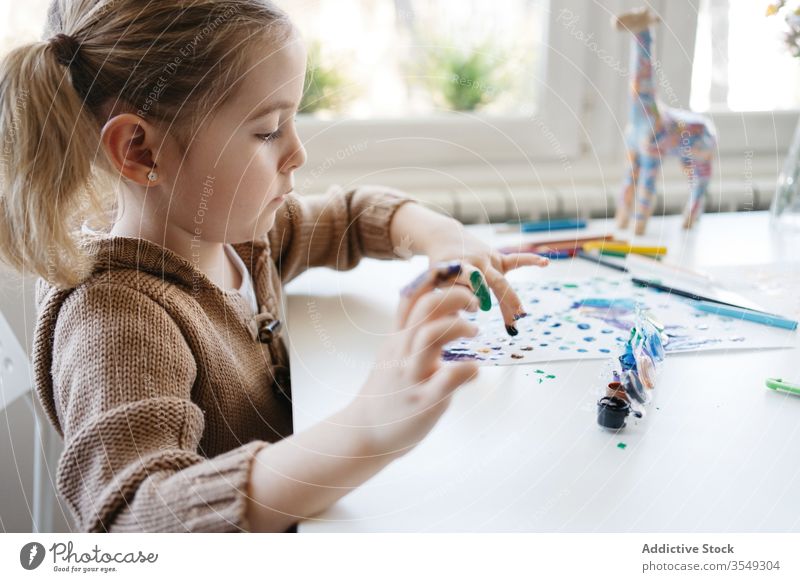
(326, 87)
(462, 79)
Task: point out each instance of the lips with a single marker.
(280, 198)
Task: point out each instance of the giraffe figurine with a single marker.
(655, 130)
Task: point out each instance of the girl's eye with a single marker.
(268, 137)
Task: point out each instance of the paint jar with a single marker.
(634, 373)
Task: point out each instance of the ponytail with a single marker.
(46, 158)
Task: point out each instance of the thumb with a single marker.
(450, 376)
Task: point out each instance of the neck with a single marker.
(644, 106)
(207, 256)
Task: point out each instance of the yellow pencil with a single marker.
(616, 247)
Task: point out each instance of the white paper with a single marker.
(564, 324)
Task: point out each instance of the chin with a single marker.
(265, 223)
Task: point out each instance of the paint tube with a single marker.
(634, 373)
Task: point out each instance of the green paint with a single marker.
(621, 445)
(570, 285)
(480, 290)
(539, 371)
(540, 380)
(550, 376)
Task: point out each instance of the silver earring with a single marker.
(152, 176)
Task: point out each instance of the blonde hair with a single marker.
(169, 61)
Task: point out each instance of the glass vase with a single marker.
(785, 208)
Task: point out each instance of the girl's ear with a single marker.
(131, 144)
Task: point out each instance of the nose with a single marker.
(297, 156)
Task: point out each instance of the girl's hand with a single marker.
(416, 229)
(477, 256)
(410, 387)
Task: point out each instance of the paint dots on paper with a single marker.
(544, 376)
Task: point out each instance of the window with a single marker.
(742, 61)
(400, 58)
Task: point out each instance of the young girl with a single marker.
(157, 353)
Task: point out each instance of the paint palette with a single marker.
(592, 318)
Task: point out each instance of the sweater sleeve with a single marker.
(335, 229)
(123, 375)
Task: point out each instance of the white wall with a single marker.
(17, 430)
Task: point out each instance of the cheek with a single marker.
(230, 187)
(252, 169)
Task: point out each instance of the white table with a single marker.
(717, 451)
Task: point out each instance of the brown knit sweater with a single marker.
(158, 380)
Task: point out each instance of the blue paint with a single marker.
(556, 325)
(588, 338)
(584, 326)
(601, 303)
(626, 360)
(458, 355)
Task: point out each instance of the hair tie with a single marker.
(65, 48)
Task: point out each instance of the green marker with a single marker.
(783, 386)
(480, 290)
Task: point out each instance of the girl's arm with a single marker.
(335, 229)
(119, 389)
(406, 393)
(303, 474)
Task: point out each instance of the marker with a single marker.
(615, 247)
(783, 386)
(599, 261)
(534, 246)
(700, 298)
(746, 314)
(545, 225)
(556, 253)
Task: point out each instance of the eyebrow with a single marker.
(269, 108)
